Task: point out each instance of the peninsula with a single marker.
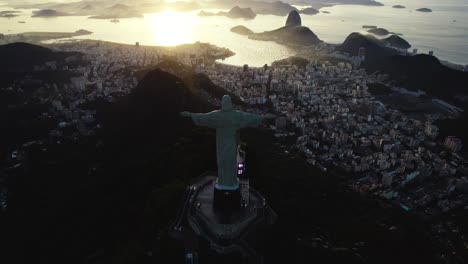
(37, 37)
(292, 34)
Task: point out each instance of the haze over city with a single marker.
(233, 131)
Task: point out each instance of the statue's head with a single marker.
(226, 103)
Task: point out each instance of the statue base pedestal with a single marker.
(226, 200)
(225, 230)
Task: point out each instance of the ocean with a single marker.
(444, 31)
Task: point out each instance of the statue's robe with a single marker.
(227, 125)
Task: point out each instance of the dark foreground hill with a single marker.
(420, 72)
(423, 72)
(151, 113)
(20, 56)
(110, 198)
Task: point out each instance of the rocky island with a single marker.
(235, 12)
(379, 31)
(242, 30)
(424, 10)
(48, 13)
(399, 6)
(309, 11)
(9, 14)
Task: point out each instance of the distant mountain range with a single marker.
(235, 12)
(319, 3)
(108, 9)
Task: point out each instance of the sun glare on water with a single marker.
(171, 28)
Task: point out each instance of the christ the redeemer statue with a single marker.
(227, 123)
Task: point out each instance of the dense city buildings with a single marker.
(325, 111)
(341, 127)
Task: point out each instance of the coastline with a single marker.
(50, 38)
(447, 54)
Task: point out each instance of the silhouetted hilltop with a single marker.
(202, 82)
(374, 48)
(396, 42)
(294, 19)
(197, 83)
(151, 113)
(422, 72)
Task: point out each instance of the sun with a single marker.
(171, 28)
